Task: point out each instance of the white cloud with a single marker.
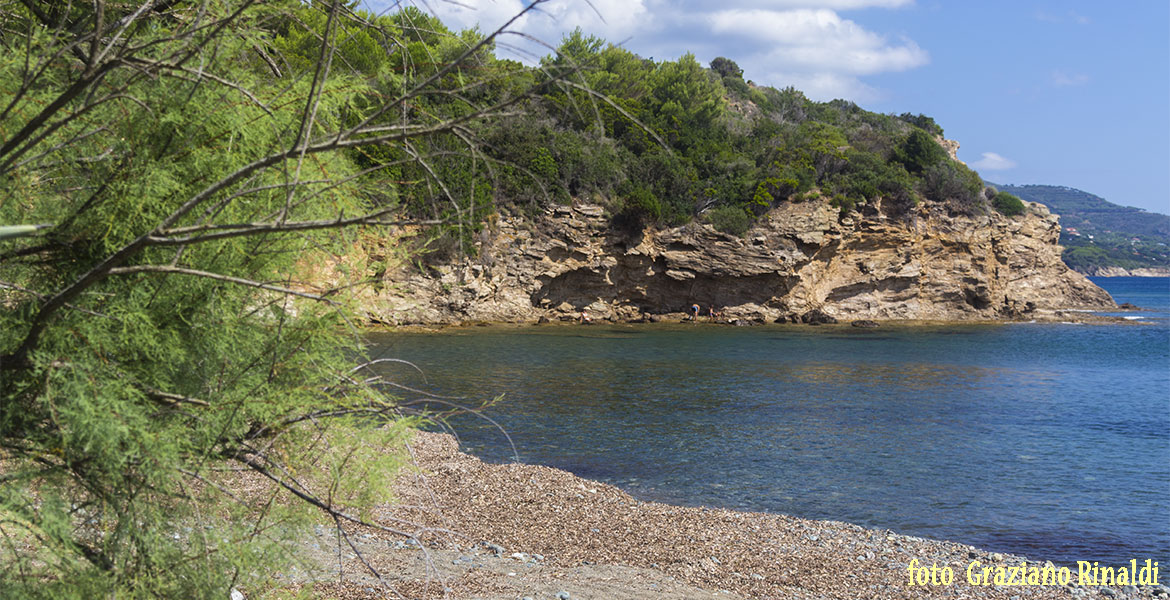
(817, 47)
(834, 4)
(826, 86)
(994, 162)
(1063, 79)
(614, 20)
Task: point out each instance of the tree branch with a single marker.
(216, 276)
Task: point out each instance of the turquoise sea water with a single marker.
(1048, 440)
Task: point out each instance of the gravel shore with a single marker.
(522, 531)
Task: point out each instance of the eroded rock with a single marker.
(801, 259)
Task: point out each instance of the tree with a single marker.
(726, 67)
(687, 101)
(918, 152)
(922, 121)
(1007, 204)
(181, 164)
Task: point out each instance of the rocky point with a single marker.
(802, 262)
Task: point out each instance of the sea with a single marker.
(1048, 440)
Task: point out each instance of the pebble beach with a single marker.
(515, 531)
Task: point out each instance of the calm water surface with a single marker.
(1048, 440)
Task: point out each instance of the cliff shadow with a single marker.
(648, 285)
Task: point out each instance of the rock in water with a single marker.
(817, 317)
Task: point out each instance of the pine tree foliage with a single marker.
(176, 164)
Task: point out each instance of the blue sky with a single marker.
(1072, 93)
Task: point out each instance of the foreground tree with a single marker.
(173, 165)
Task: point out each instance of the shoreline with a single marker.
(1065, 316)
(528, 531)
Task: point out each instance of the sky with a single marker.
(1056, 92)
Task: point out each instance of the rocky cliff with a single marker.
(801, 262)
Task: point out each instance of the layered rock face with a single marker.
(802, 261)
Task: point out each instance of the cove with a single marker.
(1047, 440)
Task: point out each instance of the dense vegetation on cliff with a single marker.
(1097, 233)
(666, 142)
(660, 143)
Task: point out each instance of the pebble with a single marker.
(1108, 592)
(562, 595)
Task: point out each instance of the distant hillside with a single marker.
(1098, 234)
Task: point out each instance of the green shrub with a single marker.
(731, 220)
(737, 86)
(922, 121)
(1008, 204)
(957, 186)
(843, 203)
(726, 67)
(637, 209)
(543, 164)
(918, 152)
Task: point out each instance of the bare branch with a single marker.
(200, 74)
(257, 228)
(173, 399)
(216, 276)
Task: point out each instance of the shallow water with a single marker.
(1048, 440)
